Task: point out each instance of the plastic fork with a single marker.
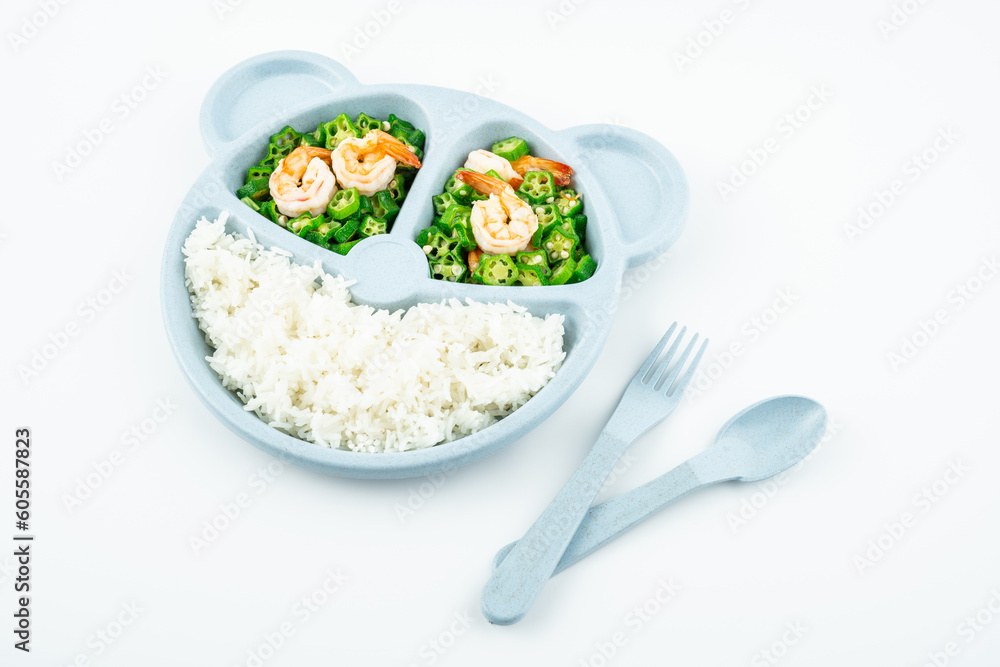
(650, 397)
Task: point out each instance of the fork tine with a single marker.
(661, 369)
(669, 378)
(651, 359)
(682, 383)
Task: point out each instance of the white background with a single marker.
(794, 561)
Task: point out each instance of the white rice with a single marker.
(306, 360)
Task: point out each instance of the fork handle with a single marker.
(514, 585)
(610, 519)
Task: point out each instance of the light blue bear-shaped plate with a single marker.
(635, 195)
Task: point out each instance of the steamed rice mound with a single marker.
(304, 358)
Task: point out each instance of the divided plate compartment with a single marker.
(635, 197)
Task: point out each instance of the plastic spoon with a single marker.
(760, 442)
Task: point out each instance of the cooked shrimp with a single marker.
(560, 171)
(369, 163)
(303, 182)
(483, 161)
(502, 224)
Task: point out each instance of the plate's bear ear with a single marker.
(643, 182)
(263, 89)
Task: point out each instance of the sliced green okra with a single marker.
(275, 154)
(258, 172)
(436, 243)
(569, 201)
(286, 139)
(346, 231)
(325, 232)
(456, 214)
(442, 202)
(460, 190)
(539, 187)
(511, 148)
(372, 226)
(562, 272)
(365, 206)
(537, 258)
(315, 231)
(451, 268)
(404, 131)
(530, 276)
(397, 189)
(541, 233)
(338, 129)
(366, 124)
(457, 222)
(395, 122)
(547, 214)
(466, 241)
(257, 189)
(299, 223)
(585, 268)
(344, 204)
(319, 134)
(559, 245)
(413, 138)
(344, 248)
(269, 210)
(384, 206)
(496, 270)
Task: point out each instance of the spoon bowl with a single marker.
(768, 437)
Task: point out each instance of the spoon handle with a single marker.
(610, 519)
(514, 586)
